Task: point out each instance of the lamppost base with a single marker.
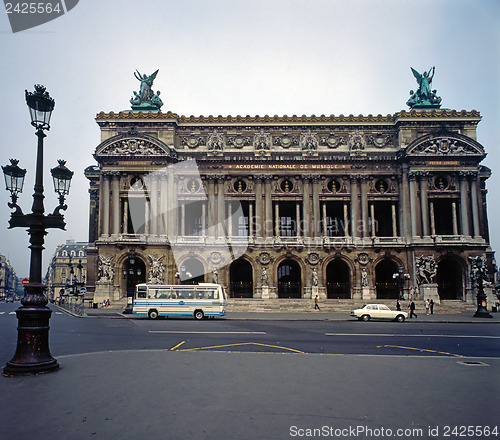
(482, 313)
(32, 353)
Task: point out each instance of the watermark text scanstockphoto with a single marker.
(471, 432)
(27, 15)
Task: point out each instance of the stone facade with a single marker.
(288, 206)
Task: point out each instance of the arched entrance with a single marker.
(289, 280)
(241, 279)
(449, 279)
(337, 280)
(387, 286)
(192, 272)
(134, 272)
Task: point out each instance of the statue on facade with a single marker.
(315, 277)
(156, 270)
(106, 269)
(146, 99)
(215, 276)
(424, 97)
(364, 278)
(264, 278)
(478, 268)
(426, 269)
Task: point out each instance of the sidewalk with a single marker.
(462, 317)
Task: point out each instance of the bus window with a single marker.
(163, 293)
(141, 291)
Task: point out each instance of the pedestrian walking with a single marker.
(316, 305)
(427, 307)
(411, 306)
(431, 305)
(398, 305)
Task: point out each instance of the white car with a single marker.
(378, 311)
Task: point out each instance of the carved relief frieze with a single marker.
(332, 141)
(286, 140)
(380, 141)
(445, 146)
(215, 144)
(239, 141)
(132, 147)
(193, 141)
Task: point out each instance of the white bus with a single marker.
(200, 300)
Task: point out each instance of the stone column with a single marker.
(364, 205)
(475, 204)
(404, 204)
(324, 221)
(250, 219)
(259, 216)
(455, 219)
(105, 204)
(306, 207)
(464, 203)
(316, 229)
(268, 207)
(230, 219)
(424, 203)
(346, 220)
(183, 220)
(204, 219)
(212, 214)
(433, 220)
(221, 203)
(394, 221)
(125, 216)
(372, 215)
(154, 204)
(277, 219)
(163, 204)
(297, 218)
(354, 206)
(413, 203)
(115, 186)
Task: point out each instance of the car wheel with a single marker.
(400, 318)
(365, 318)
(198, 314)
(153, 314)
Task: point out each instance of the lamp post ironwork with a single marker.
(401, 278)
(32, 354)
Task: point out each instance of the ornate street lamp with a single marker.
(32, 353)
(401, 277)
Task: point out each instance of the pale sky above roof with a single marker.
(235, 57)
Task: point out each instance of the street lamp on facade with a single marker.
(401, 278)
(32, 353)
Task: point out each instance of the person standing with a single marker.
(411, 306)
(398, 306)
(316, 305)
(427, 306)
(431, 305)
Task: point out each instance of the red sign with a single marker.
(25, 281)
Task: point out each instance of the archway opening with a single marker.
(337, 280)
(386, 284)
(134, 272)
(289, 280)
(449, 279)
(192, 272)
(241, 279)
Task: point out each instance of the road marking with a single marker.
(176, 346)
(420, 349)
(1, 313)
(206, 333)
(12, 313)
(413, 336)
(59, 313)
(245, 343)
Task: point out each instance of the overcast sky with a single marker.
(230, 57)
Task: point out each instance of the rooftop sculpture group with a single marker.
(424, 97)
(146, 99)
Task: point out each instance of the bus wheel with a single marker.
(198, 314)
(153, 314)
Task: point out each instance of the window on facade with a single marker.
(383, 223)
(444, 216)
(334, 221)
(287, 219)
(241, 218)
(193, 218)
(136, 215)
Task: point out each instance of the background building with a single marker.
(289, 207)
(8, 279)
(67, 271)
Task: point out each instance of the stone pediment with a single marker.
(134, 144)
(452, 144)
